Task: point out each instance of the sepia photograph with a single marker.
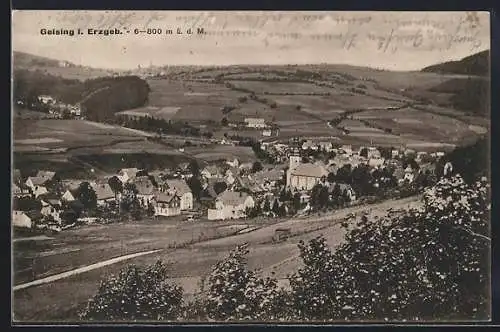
(271, 167)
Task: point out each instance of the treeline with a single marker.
(476, 64)
(162, 126)
(100, 97)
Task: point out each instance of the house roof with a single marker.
(71, 184)
(272, 175)
(311, 170)
(232, 198)
(164, 197)
(131, 172)
(180, 186)
(144, 185)
(49, 175)
(37, 180)
(103, 191)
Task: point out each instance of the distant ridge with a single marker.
(22, 60)
(477, 64)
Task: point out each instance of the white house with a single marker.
(233, 163)
(68, 196)
(167, 205)
(37, 185)
(127, 174)
(24, 219)
(347, 149)
(210, 171)
(255, 123)
(181, 189)
(51, 207)
(231, 205)
(44, 99)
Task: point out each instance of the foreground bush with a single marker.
(234, 293)
(136, 294)
(430, 264)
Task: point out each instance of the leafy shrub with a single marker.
(136, 294)
(429, 264)
(235, 293)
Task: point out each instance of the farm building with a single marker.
(167, 205)
(231, 205)
(271, 132)
(51, 206)
(347, 149)
(309, 145)
(181, 189)
(68, 196)
(255, 123)
(44, 99)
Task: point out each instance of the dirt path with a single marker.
(82, 270)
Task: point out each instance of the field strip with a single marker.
(82, 270)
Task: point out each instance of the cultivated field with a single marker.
(217, 152)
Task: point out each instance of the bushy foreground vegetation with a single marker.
(428, 264)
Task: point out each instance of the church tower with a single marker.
(295, 158)
(294, 161)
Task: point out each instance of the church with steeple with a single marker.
(303, 176)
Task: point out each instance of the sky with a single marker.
(385, 40)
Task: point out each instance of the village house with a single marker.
(231, 205)
(25, 219)
(326, 146)
(211, 171)
(245, 167)
(347, 149)
(303, 176)
(127, 174)
(233, 163)
(104, 193)
(45, 99)
(20, 190)
(255, 123)
(68, 196)
(166, 204)
(373, 152)
(409, 152)
(181, 189)
(37, 185)
(394, 153)
(272, 132)
(409, 174)
(309, 145)
(230, 175)
(51, 207)
(145, 190)
(376, 162)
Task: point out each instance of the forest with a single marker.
(101, 98)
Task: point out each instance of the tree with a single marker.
(364, 152)
(194, 168)
(194, 184)
(323, 197)
(115, 185)
(267, 205)
(235, 293)
(297, 204)
(220, 187)
(331, 177)
(315, 196)
(224, 122)
(69, 217)
(87, 196)
(136, 294)
(276, 207)
(429, 263)
(256, 167)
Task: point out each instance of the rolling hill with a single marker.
(477, 64)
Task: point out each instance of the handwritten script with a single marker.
(385, 32)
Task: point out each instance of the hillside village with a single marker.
(306, 176)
